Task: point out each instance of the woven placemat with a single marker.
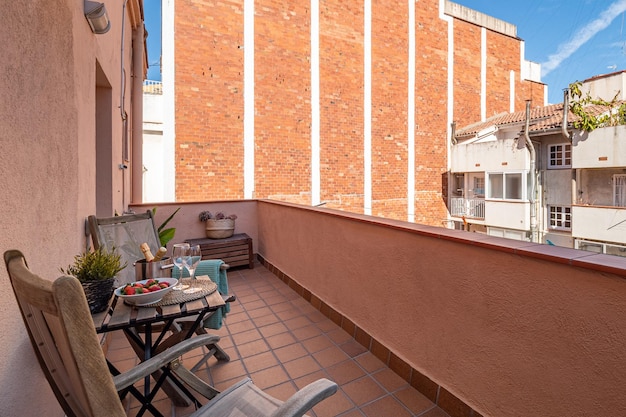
(192, 290)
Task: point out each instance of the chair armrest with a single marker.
(164, 358)
(304, 399)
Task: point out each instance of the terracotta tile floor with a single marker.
(280, 341)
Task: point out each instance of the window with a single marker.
(479, 186)
(619, 190)
(560, 217)
(513, 186)
(506, 185)
(496, 186)
(560, 156)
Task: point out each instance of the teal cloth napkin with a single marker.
(212, 268)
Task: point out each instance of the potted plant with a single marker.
(96, 271)
(165, 235)
(218, 225)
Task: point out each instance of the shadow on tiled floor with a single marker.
(280, 341)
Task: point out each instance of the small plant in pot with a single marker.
(96, 271)
(218, 225)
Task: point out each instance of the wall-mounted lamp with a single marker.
(97, 17)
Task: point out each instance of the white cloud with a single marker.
(582, 35)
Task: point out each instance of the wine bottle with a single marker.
(160, 254)
(147, 253)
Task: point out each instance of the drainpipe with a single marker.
(453, 133)
(564, 131)
(533, 173)
(123, 115)
(136, 171)
(568, 136)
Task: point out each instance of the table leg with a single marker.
(178, 396)
(147, 354)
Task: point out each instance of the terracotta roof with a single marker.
(541, 119)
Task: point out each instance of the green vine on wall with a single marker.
(614, 115)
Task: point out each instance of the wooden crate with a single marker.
(235, 250)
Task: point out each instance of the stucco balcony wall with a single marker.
(605, 224)
(601, 148)
(496, 155)
(508, 214)
(508, 328)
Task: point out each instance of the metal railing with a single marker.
(469, 207)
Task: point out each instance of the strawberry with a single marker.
(163, 284)
(128, 290)
(154, 287)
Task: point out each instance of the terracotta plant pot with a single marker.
(219, 229)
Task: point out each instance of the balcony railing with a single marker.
(469, 207)
(468, 319)
(152, 87)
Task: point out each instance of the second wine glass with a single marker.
(179, 253)
(192, 259)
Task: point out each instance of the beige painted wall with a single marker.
(509, 333)
(188, 226)
(47, 163)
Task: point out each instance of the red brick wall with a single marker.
(341, 104)
(503, 55)
(282, 100)
(529, 90)
(209, 101)
(467, 71)
(389, 108)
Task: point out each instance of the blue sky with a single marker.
(571, 39)
(152, 18)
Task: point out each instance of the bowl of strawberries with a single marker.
(145, 292)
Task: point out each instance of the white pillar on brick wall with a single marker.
(411, 116)
(367, 107)
(248, 99)
(315, 103)
(450, 81)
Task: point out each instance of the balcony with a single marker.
(473, 208)
(601, 148)
(599, 223)
(478, 325)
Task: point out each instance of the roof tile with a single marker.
(542, 119)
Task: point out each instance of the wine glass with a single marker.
(192, 259)
(179, 252)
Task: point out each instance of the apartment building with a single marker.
(524, 176)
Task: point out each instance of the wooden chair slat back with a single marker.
(125, 233)
(61, 331)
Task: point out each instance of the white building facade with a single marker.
(565, 188)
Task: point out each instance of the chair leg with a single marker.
(220, 354)
(213, 350)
